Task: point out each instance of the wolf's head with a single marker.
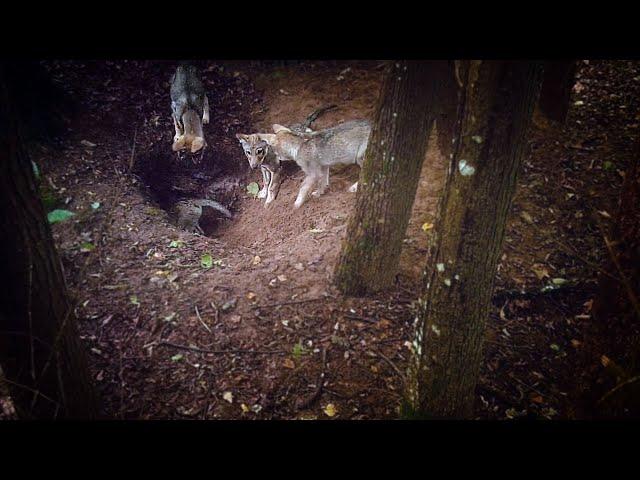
(255, 146)
(193, 136)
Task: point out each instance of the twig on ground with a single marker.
(358, 318)
(292, 302)
(133, 150)
(390, 362)
(202, 321)
(217, 312)
(617, 387)
(202, 350)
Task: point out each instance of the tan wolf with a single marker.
(316, 152)
(259, 153)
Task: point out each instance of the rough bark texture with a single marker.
(555, 96)
(40, 352)
(406, 111)
(497, 102)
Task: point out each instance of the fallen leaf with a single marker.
(256, 260)
(330, 410)
(228, 396)
(540, 271)
(288, 363)
(427, 226)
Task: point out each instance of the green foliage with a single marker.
(59, 216)
(253, 189)
(206, 261)
(298, 350)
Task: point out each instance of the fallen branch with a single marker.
(292, 302)
(390, 362)
(217, 352)
(358, 318)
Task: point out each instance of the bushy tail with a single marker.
(313, 117)
(213, 204)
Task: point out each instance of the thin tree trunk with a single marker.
(555, 95)
(40, 352)
(406, 111)
(497, 104)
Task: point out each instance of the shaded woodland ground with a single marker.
(265, 318)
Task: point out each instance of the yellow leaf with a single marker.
(540, 271)
(330, 410)
(427, 226)
(245, 409)
(288, 363)
(256, 260)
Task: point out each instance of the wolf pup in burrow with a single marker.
(190, 109)
(256, 148)
(316, 152)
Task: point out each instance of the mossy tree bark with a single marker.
(43, 361)
(406, 110)
(497, 103)
(555, 95)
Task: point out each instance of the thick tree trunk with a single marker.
(406, 111)
(497, 104)
(40, 352)
(555, 96)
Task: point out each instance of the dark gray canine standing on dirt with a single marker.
(259, 153)
(189, 104)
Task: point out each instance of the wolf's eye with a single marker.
(258, 151)
(248, 152)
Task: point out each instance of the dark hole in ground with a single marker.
(167, 179)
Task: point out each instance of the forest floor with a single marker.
(262, 333)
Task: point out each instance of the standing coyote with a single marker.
(257, 149)
(189, 103)
(316, 152)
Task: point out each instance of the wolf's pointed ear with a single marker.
(279, 128)
(242, 137)
(267, 137)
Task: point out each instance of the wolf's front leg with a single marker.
(307, 185)
(274, 186)
(266, 179)
(178, 128)
(205, 114)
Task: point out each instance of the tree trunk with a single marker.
(497, 104)
(40, 352)
(405, 114)
(555, 96)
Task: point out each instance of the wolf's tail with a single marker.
(213, 204)
(313, 117)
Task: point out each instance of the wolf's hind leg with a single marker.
(323, 182)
